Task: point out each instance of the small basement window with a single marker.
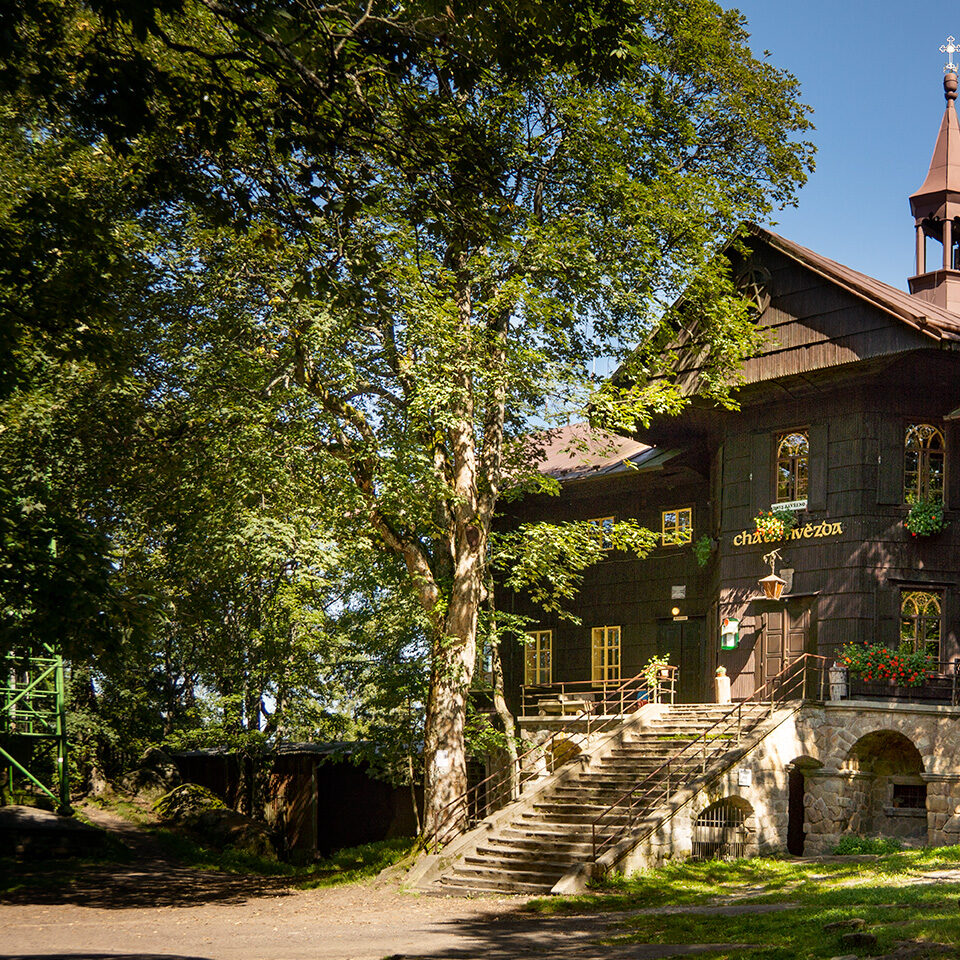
(910, 796)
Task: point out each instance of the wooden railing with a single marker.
(506, 785)
(803, 678)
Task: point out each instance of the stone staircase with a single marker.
(530, 851)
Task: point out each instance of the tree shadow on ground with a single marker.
(123, 886)
(517, 934)
(99, 956)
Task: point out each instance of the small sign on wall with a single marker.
(729, 633)
(744, 777)
(678, 591)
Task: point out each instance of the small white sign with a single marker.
(744, 777)
(790, 505)
(442, 761)
(678, 591)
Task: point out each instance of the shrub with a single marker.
(851, 845)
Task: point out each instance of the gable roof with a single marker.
(578, 451)
(929, 319)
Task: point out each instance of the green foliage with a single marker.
(881, 846)
(548, 560)
(702, 548)
(651, 671)
(925, 517)
(904, 666)
(278, 314)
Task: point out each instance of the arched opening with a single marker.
(796, 808)
(795, 787)
(886, 790)
(722, 830)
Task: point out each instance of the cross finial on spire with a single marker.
(950, 48)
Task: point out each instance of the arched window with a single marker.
(793, 450)
(920, 620)
(923, 455)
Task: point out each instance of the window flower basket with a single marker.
(904, 666)
(925, 517)
(774, 525)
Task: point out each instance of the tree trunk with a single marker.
(506, 717)
(453, 661)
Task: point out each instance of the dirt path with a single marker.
(155, 908)
(357, 922)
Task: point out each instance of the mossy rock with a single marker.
(156, 775)
(187, 803)
(205, 815)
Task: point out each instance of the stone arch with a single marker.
(725, 828)
(885, 790)
(797, 771)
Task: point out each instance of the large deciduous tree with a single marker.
(420, 224)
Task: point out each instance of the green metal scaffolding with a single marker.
(33, 716)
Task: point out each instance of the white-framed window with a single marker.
(605, 654)
(676, 526)
(604, 527)
(538, 657)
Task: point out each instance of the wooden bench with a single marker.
(565, 704)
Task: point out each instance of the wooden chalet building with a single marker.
(850, 413)
(848, 416)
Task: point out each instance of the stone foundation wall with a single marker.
(839, 797)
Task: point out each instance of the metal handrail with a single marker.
(665, 779)
(532, 695)
(454, 817)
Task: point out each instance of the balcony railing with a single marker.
(598, 698)
(940, 687)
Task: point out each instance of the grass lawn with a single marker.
(891, 893)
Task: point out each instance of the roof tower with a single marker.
(936, 205)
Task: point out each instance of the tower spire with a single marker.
(936, 205)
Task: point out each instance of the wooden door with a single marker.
(787, 633)
(681, 641)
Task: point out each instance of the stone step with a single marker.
(511, 858)
(526, 847)
(471, 888)
(616, 815)
(527, 873)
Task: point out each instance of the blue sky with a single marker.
(873, 74)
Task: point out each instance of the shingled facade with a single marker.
(849, 414)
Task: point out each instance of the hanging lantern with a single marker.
(772, 585)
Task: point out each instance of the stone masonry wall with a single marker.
(838, 797)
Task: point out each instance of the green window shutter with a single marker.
(817, 473)
(890, 461)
